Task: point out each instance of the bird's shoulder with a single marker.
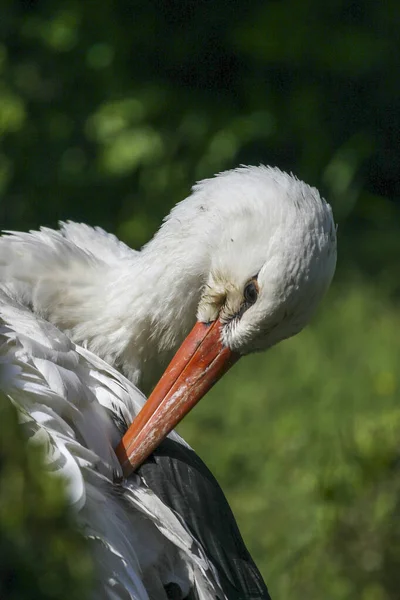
(96, 241)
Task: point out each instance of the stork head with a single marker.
(271, 255)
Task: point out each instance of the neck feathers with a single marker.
(131, 308)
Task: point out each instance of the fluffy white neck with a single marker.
(133, 309)
(135, 314)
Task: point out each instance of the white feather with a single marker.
(77, 406)
(96, 241)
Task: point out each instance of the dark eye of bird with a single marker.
(251, 292)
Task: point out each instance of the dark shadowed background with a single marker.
(111, 110)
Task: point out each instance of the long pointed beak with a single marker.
(200, 361)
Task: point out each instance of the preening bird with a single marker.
(238, 266)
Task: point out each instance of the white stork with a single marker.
(238, 266)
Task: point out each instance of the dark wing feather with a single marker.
(182, 481)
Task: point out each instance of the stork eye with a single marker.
(251, 292)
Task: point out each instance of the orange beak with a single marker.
(200, 361)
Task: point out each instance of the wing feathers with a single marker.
(77, 407)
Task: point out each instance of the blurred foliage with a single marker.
(41, 553)
(109, 112)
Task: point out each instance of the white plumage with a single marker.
(78, 407)
(83, 286)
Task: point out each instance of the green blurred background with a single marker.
(110, 111)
